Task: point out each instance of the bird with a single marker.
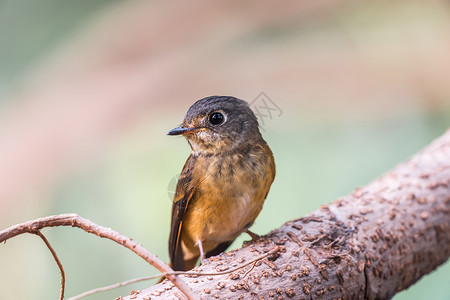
(224, 182)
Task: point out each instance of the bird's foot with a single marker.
(202, 253)
(203, 260)
(255, 237)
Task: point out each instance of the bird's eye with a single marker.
(216, 118)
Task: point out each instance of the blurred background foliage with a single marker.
(88, 90)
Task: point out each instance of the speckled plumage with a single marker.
(224, 182)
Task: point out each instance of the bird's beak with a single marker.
(180, 130)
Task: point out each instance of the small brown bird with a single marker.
(224, 182)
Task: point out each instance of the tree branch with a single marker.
(370, 244)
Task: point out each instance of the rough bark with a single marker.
(370, 244)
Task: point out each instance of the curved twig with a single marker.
(58, 262)
(75, 220)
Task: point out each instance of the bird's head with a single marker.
(218, 124)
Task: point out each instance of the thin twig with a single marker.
(58, 262)
(249, 270)
(75, 220)
(110, 287)
(117, 285)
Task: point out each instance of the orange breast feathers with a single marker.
(228, 198)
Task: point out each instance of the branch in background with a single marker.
(75, 220)
(371, 244)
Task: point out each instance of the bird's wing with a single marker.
(184, 193)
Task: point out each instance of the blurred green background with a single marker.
(88, 90)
